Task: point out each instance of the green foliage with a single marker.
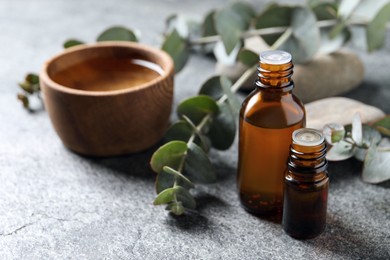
(248, 57)
(305, 37)
(72, 42)
(383, 126)
(196, 108)
(30, 88)
(376, 29)
(274, 16)
(364, 143)
(177, 48)
(117, 33)
(231, 21)
(208, 116)
(376, 165)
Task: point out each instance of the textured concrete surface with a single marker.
(55, 204)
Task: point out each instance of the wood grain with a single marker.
(109, 123)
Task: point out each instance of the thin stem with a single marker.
(237, 85)
(277, 30)
(282, 39)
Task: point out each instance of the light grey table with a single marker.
(55, 204)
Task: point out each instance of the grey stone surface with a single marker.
(55, 204)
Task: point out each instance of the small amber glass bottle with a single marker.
(306, 185)
(268, 117)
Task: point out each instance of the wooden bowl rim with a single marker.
(167, 66)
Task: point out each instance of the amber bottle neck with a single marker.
(275, 75)
(307, 160)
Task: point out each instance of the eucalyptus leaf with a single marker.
(208, 26)
(180, 131)
(196, 108)
(216, 87)
(230, 22)
(223, 57)
(170, 154)
(383, 126)
(357, 130)
(333, 133)
(245, 11)
(32, 78)
(340, 151)
(198, 166)
(200, 138)
(179, 23)
(376, 29)
(304, 41)
(177, 48)
(117, 33)
(369, 135)
(248, 57)
(376, 165)
(325, 11)
(329, 44)
(185, 197)
(30, 84)
(347, 7)
(72, 42)
(166, 196)
(24, 99)
(166, 180)
(177, 174)
(274, 16)
(212, 87)
(176, 208)
(223, 128)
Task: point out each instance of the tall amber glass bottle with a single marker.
(306, 185)
(268, 117)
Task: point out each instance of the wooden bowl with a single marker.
(108, 122)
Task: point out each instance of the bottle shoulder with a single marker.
(275, 109)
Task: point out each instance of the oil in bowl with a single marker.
(107, 74)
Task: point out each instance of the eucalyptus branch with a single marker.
(277, 30)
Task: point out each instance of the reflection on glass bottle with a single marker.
(268, 117)
(306, 185)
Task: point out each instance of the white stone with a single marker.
(339, 110)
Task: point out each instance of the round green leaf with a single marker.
(212, 87)
(329, 44)
(178, 175)
(170, 154)
(274, 16)
(185, 197)
(176, 208)
(198, 166)
(340, 151)
(165, 196)
(72, 42)
(166, 180)
(117, 33)
(248, 57)
(376, 165)
(383, 125)
(325, 11)
(304, 41)
(223, 128)
(180, 130)
(216, 87)
(376, 29)
(177, 48)
(208, 26)
(230, 22)
(196, 108)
